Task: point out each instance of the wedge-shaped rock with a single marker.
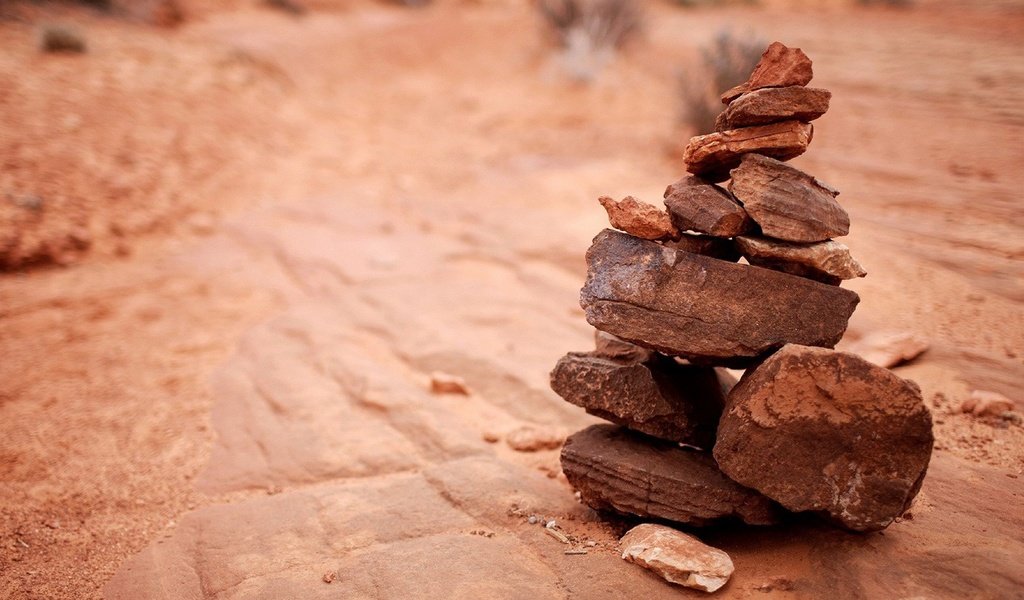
(660, 397)
(639, 218)
(712, 156)
(842, 436)
(615, 348)
(678, 558)
(621, 471)
(697, 205)
(715, 247)
(771, 105)
(702, 308)
(780, 66)
(787, 203)
(828, 262)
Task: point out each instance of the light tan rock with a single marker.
(444, 383)
(889, 348)
(828, 262)
(531, 438)
(712, 156)
(983, 403)
(677, 557)
(639, 218)
(780, 66)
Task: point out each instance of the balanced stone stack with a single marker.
(806, 428)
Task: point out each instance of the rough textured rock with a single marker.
(771, 105)
(889, 348)
(697, 205)
(618, 470)
(780, 66)
(983, 403)
(712, 156)
(639, 218)
(844, 437)
(787, 203)
(678, 558)
(662, 398)
(715, 247)
(828, 262)
(702, 308)
(613, 347)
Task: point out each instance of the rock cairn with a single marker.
(806, 428)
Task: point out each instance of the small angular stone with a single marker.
(662, 398)
(787, 203)
(639, 218)
(678, 558)
(780, 66)
(828, 262)
(617, 470)
(702, 308)
(444, 383)
(983, 403)
(715, 247)
(889, 348)
(712, 156)
(696, 205)
(771, 105)
(531, 438)
(844, 437)
(612, 347)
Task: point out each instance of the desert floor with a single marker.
(292, 222)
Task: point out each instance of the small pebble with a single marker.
(532, 520)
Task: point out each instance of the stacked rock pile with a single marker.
(806, 428)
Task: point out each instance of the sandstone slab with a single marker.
(715, 247)
(697, 205)
(702, 308)
(712, 156)
(828, 262)
(780, 66)
(771, 105)
(677, 557)
(639, 218)
(663, 398)
(843, 437)
(617, 470)
(787, 203)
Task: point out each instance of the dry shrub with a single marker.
(725, 63)
(589, 31)
(61, 38)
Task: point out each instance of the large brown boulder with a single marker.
(620, 471)
(825, 431)
(712, 156)
(705, 309)
(659, 397)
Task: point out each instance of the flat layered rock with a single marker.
(771, 105)
(697, 205)
(702, 308)
(787, 203)
(828, 262)
(617, 470)
(780, 66)
(663, 398)
(712, 156)
(844, 437)
(707, 245)
(677, 557)
(639, 218)
(613, 347)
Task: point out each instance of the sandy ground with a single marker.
(276, 228)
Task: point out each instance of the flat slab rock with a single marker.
(661, 397)
(787, 203)
(780, 66)
(771, 105)
(617, 470)
(705, 309)
(844, 437)
(639, 218)
(712, 156)
(677, 557)
(697, 205)
(828, 262)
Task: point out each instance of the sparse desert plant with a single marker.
(61, 38)
(589, 31)
(725, 63)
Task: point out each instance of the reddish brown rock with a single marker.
(771, 105)
(842, 436)
(707, 245)
(705, 309)
(787, 203)
(612, 347)
(697, 205)
(661, 397)
(617, 470)
(828, 262)
(780, 66)
(712, 156)
(639, 218)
